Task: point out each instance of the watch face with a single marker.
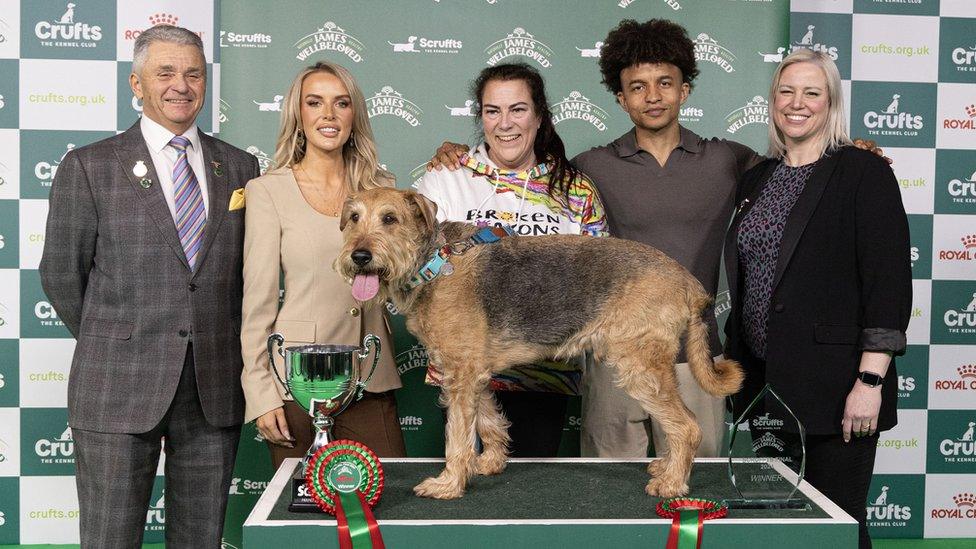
(870, 379)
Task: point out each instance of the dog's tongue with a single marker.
(365, 286)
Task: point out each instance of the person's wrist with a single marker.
(869, 380)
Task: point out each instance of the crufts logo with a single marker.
(963, 191)
(892, 120)
(965, 508)
(415, 44)
(807, 41)
(577, 106)
(59, 450)
(967, 253)
(961, 321)
(156, 514)
(388, 101)
(962, 449)
(66, 32)
(965, 382)
(707, 49)
(330, 37)
(45, 171)
(968, 123)
(519, 42)
(755, 111)
(883, 513)
(964, 59)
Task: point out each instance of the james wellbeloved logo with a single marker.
(519, 43)
(264, 161)
(420, 44)
(330, 37)
(69, 30)
(389, 102)
(708, 50)
(231, 39)
(768, 440)
(755, 111)
(412, 358)
(577, 106)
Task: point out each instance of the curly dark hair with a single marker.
(548, 147)
(654, 41)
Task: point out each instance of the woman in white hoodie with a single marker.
(519, 176)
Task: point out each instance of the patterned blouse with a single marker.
(759, 237)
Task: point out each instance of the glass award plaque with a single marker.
(767, 455)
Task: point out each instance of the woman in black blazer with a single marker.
(820, 280)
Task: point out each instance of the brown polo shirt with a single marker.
(682, 208)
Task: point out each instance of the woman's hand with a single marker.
(861, 411)
(274, 428)
(448, 155)
(872, 146)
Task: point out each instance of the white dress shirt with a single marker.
(164, 158)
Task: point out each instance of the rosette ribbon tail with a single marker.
(688, 516)
(357, 526)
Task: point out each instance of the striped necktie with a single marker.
(191, 216)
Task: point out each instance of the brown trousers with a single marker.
(372, 421)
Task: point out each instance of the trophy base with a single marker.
(794, 504)
(301, 499)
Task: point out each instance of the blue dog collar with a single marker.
(440, 264)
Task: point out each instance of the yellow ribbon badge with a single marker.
(236, 200)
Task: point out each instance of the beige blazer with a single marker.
(283, 233)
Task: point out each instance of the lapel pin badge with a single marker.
(140, 169)
(217, 170)
(145, 182)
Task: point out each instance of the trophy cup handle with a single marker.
(369, 341)
(279, 340)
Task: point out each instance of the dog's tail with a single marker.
(720, 378)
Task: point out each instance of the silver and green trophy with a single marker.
(767, 455)
(324, 380)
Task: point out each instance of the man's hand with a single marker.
(871, 145)
(274, 428)
(448, 155)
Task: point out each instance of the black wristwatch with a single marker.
(870, 379)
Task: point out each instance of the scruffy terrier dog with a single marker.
(524, 299)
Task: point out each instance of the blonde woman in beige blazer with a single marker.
(325, 151)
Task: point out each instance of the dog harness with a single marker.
(440, 264)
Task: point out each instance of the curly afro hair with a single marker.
(655, 41)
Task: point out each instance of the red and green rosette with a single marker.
(688, 516)
(345, 479)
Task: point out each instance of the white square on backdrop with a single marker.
(952, 377)
(822, 6)
(956, 115)
(67, 94)
(949, 505)
(902, 450)
(48, 510)
(882, 49)
(957, 8)
(954, 247)
(135, 16)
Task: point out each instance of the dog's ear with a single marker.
(425, 209)
(344, 217)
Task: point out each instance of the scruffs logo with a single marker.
(464, 110)
(156, 514)
(755, 111)
(965, 380)
(519, 42)
(964, 59)
(45, 171)
(807, 41)
(223, 110)
(892, 120)
(272, 105)
(242, 487)
(967, 123)
(965, 252)
(230, 39)
(415, 44)
(415, 357)
(776, 57)
(766, 422)
(690, 114)
(961, 321)
(330, 37)
(965, 508)
(59, 450)
(65, 31)
(768, 440)
(591, 52)
(963, 191)
(883, 513)
(673, 4)
(577, 106)
(390, 102)
(411, 423)
(709, 51)
(962, 449)
(264, 161)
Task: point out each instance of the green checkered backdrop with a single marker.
(63, 84)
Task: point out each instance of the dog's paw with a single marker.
(489, 464)
(657, 466)
(664, 488)
(438, 488)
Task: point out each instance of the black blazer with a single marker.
(842, 285)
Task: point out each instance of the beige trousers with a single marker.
(615, 425)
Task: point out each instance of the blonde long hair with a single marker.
(834, 133)
(363, 169)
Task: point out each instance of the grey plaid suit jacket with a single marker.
(115, 272)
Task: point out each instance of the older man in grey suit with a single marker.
(142, 261)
